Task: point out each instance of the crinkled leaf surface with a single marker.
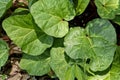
(94, 43)
(107, 8)
(52, 16)
(36, 65)
(80, 5)
(117, 19)
(24, 32)
(4, 51)
(114, 72)
(58, 62)
(4, 5)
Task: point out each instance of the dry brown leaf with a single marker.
(18, 76)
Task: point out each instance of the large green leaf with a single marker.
(94, 43)
(58, 62)
(114, 72)
(80, 5)
(24, 32)
(52, 16)
(4, 5)
(36, 65)
(4, 51)
(107, 8)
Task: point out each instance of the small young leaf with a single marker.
(79, 73)
(58, 62)
(107, 8)
(4, 5)
(117, 56)
(4, 51)
(3, 77)
(117, 19)
(94, 43)
(52, 16)
(24, 32)
(70, 74)
(20, 11)
(80, 5)
(36, 65)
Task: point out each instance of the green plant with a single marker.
(50, 41)
(4, 50)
